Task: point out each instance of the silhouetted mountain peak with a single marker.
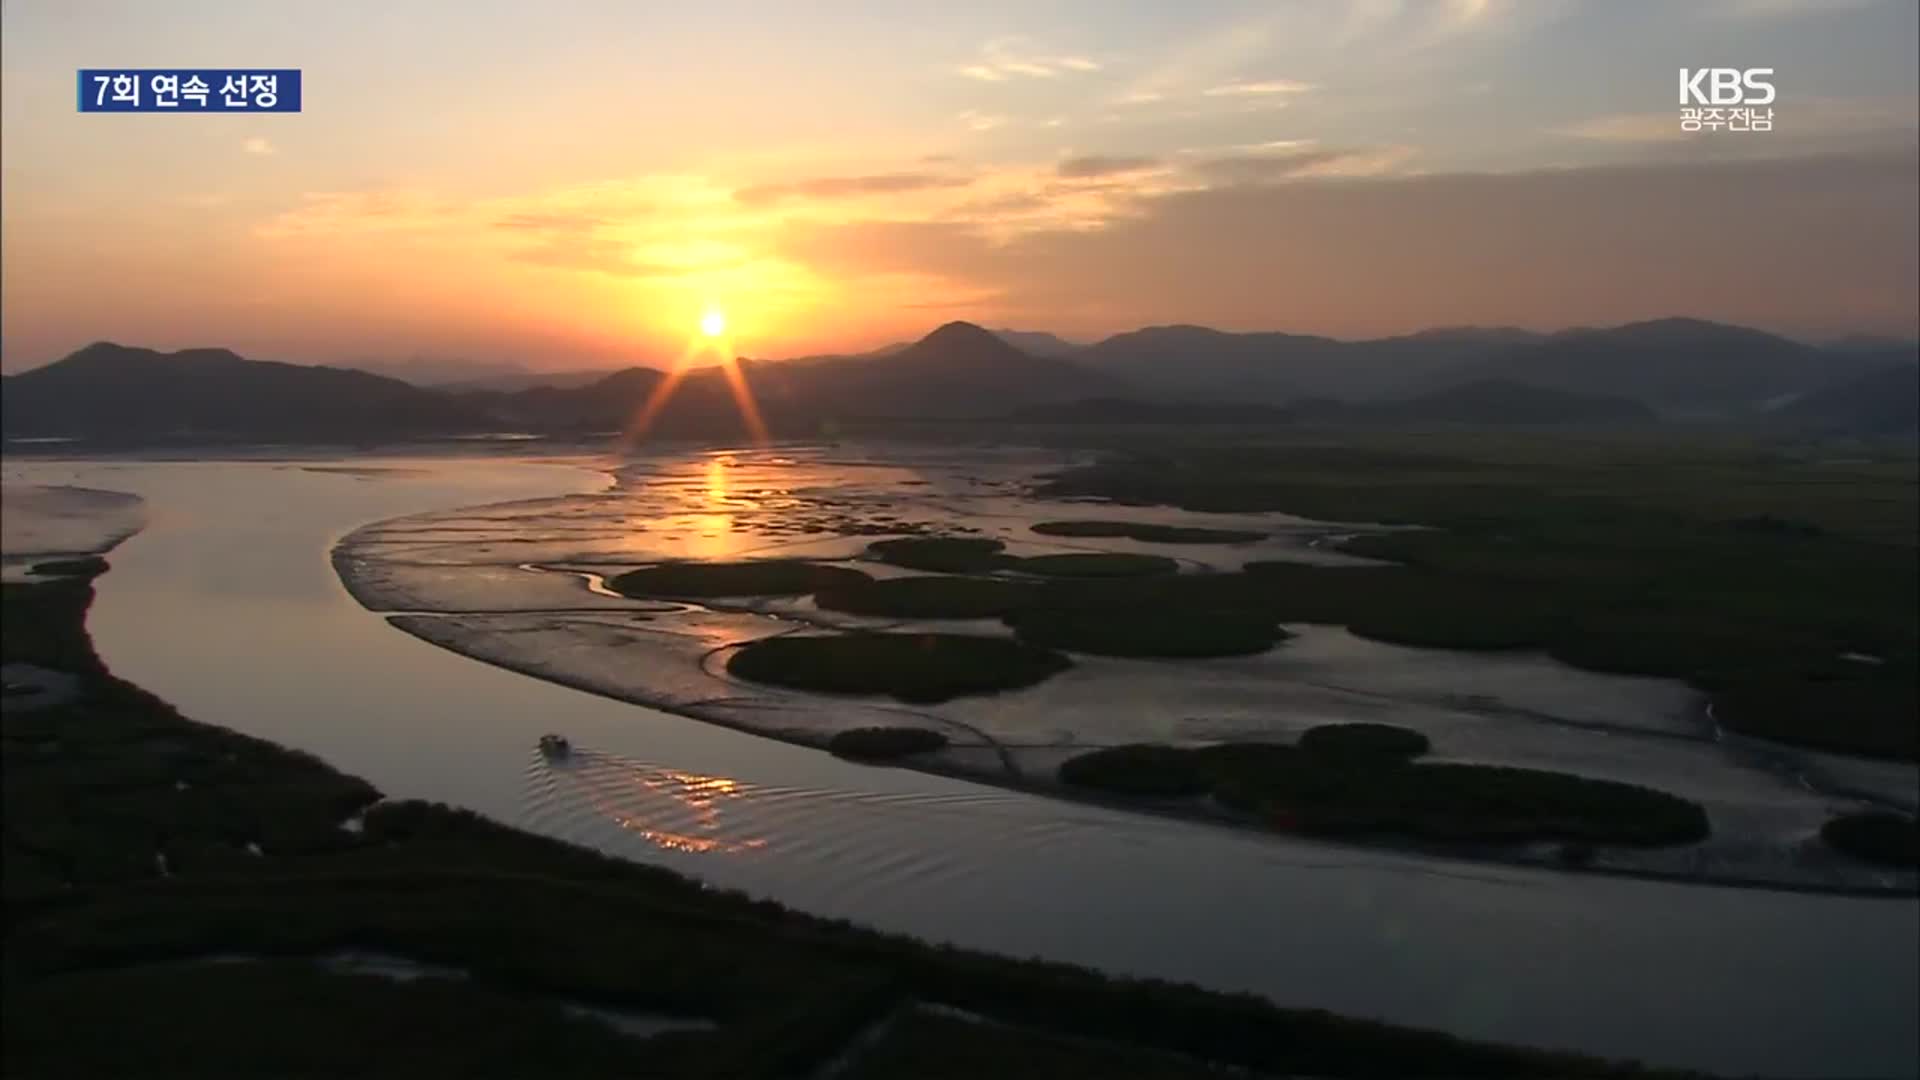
(1683, 331)
(1037, 342)
(960, 333)
(109, 356)
(959, 342)
(125, 394)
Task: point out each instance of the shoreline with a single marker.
(481, 883)
(1218, 818)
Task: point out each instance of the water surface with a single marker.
(226, 606)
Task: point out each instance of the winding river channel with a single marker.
(226, 605)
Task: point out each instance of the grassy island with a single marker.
(193, 843)
(1381, 743)
(937, 596)
(1779, 580)
(1148, 533)
(1356, 780)
(920, 668)
(1876, 836)
(1097, 564)
(1174, 632)
(85, 566)
(764, 577)
(941, 554)
(879, 743)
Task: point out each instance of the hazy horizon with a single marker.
(573, 190)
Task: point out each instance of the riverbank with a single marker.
(526, 587)
(281, 652)
(211, 873)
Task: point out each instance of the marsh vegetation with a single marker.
(762, 577)
(1877, 836)
(105, 938)
(878, 743)
(918, 668)
(1758, 576)
(1358, 780)
(1148, 532)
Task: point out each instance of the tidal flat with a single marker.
(281, 651)
(1190, 639)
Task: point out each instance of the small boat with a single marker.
(555, 746)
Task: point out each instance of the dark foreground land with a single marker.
(179, 899)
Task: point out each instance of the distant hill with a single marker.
(115, 393)
(1676, 368)
(1475, 335)
(1676, 365)
(1496, 403)
(1038, 342)
(1199, 363)
(1130, 411)
(957, 370)
(125, 395)
(1872, 343)
(1487, 403)
(1680, 367)
(522, 379)
(435, 370)
(1883, 401)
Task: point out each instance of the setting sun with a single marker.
(713, 323)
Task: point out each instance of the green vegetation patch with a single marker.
(287, 1017)
(929, 1046)
(86, 566)
(1141, 769)
(1174, 632)
(1879, 837)
(97, 941)
(766, 577)
(874, 743)
(1097, 564)
(1860, 712)
(922, 668)
(1476, 803)
(1372, 793)
(1148, 533)
(1382, 743)
(933, 597)
(1746, 570)
(941, 554)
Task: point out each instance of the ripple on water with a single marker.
(601, 798)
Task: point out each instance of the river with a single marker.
(226, 605)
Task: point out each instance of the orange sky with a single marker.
(572, 186)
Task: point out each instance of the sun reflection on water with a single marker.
(631, 796)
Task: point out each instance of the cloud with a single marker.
(1300, 160)
(257, 145)
(1016, 57)
(1244, 89)
(979, 121)
(1091, 166)
(551, 222)
(1784, 9)
(1356, 256)
(1628, 127)
(844, 187)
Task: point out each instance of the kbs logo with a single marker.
(1729, 94)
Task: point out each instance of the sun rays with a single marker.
(711, 337)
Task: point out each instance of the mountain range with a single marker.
(1668, 369)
